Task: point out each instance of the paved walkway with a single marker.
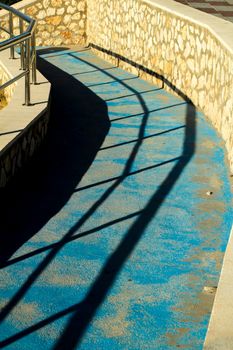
(222, 9)
(113, 238)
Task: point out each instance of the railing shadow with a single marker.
(84, 312)
(78, 125)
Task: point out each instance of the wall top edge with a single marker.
(220, 28)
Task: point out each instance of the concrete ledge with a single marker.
(22, 128)
(220, 332)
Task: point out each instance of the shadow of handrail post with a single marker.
(85, 312)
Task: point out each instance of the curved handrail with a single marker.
(26, 39)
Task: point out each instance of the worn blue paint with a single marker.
(149, 245)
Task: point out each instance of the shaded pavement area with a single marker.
(109, 238)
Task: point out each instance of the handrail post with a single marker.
(27, 76)
(33, 41)
(11, 30)
(22, 55)
(27, 41)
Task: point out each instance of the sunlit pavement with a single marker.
(114, 237)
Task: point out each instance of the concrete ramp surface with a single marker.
(114, 235)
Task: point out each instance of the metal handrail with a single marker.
(27, 42)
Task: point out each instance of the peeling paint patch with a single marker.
(174, 338)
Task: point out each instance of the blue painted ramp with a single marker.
(112, 236)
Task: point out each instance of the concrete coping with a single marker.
(15, 117)
(220, 28)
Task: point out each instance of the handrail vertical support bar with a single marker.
(27, 76)
(34, 58)
(22, 55)
(11, 30)
(26, 39)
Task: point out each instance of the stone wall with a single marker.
(186, 54)
(59, 22)
(21, 149)
(150, 37)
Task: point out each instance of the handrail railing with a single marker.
(27, 42)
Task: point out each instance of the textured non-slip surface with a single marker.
(114, 237)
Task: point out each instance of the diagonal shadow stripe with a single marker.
(85, 311)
